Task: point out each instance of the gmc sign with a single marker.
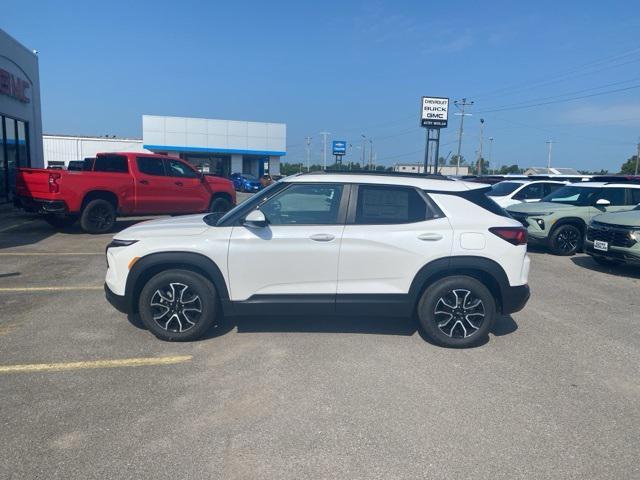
(13, 86)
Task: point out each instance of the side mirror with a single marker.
(255, 219)
(603, 202)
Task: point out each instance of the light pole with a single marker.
(362, 153)
(461, 105)
(370, 153)
(324, 148)
(480, 149)
(308, 139)
(491, 154)
(550, 146)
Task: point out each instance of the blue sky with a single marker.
(350, 68)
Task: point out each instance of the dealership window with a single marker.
(14, 152)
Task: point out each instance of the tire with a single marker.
(566, 240)
(219, 205)
(98, 216)
(178, 305)
(472, 310)
(60, 221)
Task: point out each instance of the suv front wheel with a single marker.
(566, 240)
(178, 305)
(457, 311)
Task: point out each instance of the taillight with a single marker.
(53, 183)
(513, 235)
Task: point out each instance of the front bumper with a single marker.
(119, 302)
(626, 255)
(515, 298)
(39, 205)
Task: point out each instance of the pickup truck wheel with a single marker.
(457, 311)
(98, 216)
(60, 221)
(220, 205)
(178, 305)
(566, 240)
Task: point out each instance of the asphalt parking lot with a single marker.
(87, 393)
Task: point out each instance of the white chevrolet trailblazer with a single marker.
(329, 243)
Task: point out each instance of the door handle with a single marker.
(430, 237)
(179, 184)
(322, 237)
(144, 182)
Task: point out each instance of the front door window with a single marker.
(301, 204)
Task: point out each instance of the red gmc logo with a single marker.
(13, 86)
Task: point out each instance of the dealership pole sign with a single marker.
(434, 115)
(339, 148)
(435, 112)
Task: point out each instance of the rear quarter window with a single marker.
(479, 197)
(111, 163)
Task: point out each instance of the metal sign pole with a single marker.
(426, 151)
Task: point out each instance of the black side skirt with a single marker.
(385, 305)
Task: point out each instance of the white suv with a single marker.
(512, 192)
(329, 243)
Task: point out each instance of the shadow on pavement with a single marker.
(585, 261)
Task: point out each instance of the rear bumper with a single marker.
(515, 298)
(119, 302)
(40, 205)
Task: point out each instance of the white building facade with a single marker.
(59, 150)
(419, 168)
(20, 118)
(220, 147)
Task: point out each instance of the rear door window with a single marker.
(150, 166)
(530, 192)
(383, 205)
(111, 163)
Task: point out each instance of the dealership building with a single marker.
(20, 121)
(219, 147)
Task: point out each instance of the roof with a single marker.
(605, 185)
(425, 182)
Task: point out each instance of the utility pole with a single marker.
(370, 153)
(480, 149)
(362, 153)
(550, 146)
(308, 139)
(637, 157)
(324, 148)
(461, 104)
(491, 153)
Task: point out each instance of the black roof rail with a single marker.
(431, 176)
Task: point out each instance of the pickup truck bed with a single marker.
(121, 184)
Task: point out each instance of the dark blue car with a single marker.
(245, 182)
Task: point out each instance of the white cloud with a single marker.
(621, 114)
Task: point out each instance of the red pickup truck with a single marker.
(120, 184)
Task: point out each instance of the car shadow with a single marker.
(30, 229)
(585, 261)
(504, 325)
(223, 327)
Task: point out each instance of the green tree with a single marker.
(454, 160)
(505, 170)
(629, 167)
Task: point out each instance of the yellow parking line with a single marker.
(48, 289)
(44, 254)
(16, 226)
(125, 362)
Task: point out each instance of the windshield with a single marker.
(503, 188)
(570, 195)
(248, 176)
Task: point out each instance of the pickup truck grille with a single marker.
(615, 235)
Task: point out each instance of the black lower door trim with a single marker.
(386, 305)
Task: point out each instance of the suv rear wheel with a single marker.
(566, 240)
(457, 311)
(178, 305)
